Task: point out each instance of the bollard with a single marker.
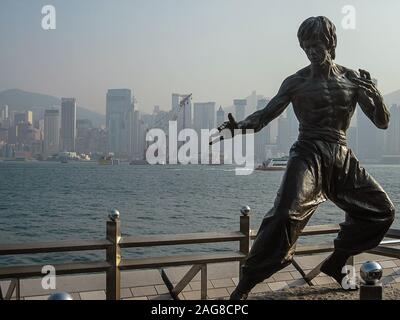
(60, 296)
(113, 275)
(371, 289)
(245, 229)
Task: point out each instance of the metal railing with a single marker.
(114, 263)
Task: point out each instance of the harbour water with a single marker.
(45, 201)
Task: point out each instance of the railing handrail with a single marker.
(149, 241)
(54, 246)
(178, 239)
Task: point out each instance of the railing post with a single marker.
(371, 289)
(113, 277)
(245, 229)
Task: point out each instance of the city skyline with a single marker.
(216, 58)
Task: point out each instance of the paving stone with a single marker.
(387, 280)
(192, 295)
(140, 278)
(388, 264)
(269, 280)
(275, 286)
(75, 296)
(230, 289)
(323, 280)
(297, 283)
(160, 297)
(144, 291)
(187, 288)
(222, 283)
(217, 293)
(196, 285)
(137, 298)
(37, 298)
(161, 289)
(296, 275)
(93, 295)
(235, 281)
(387, 272)
(261, 287)
(289, 268)
(282, 276)
(126, 293)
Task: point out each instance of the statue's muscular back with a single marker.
(324, 103)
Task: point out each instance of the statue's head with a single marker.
(317, 37)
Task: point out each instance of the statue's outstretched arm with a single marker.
(274, 108)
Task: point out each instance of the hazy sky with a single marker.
(218, 50)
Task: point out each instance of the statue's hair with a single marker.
(319, 28)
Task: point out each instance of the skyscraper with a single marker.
(220, 116)
(68, 124)
(392, 145)
(3, 112)
(51, 137)
(203, 115)
(183, 113)
(263, 137)
(119, 122)
(283, 139)
(240, 109)
(370, 138)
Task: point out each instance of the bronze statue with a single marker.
(324, 97)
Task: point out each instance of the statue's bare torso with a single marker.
(324, 103)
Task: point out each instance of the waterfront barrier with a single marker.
(114, 243)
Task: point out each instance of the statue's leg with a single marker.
(297, 199)
(369, 211)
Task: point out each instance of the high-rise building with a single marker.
(263, 137)
(203, 115)
(283, 139)
(51, 137)
(3, 113)
(293, 125)
(392, 145)
(183, 112)
(240, 109)
(23, 117)
(28, 117)
(370, 138)
(352, 138)
(19, 118)
(68, 124)
(119, 122)
(220, 116)
(140, 130)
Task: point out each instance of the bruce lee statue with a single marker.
(324, 96)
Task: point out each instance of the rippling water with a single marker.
(42, 201)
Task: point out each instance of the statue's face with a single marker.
(316, 51)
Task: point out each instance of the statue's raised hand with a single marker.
(231, 124)
(366, 86)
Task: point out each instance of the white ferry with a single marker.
(274, 164)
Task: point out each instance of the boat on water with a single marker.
(274, 164)
(108, 160)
